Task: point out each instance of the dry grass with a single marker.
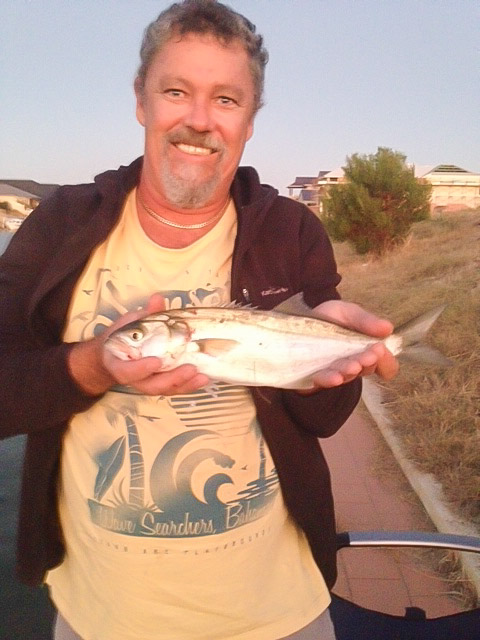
(436, 412)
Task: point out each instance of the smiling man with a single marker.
(189, 509)
(196, 103)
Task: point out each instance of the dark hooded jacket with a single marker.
(281, 249)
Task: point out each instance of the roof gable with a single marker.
(38, 190)
(8, 190)
(303, 181)
(422, 170)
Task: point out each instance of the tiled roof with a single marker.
(421, 170)
(38, 190)
(8, 190)
(336, 173)
(302, 181)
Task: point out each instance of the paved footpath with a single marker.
(387, 580)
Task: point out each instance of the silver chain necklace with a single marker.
(176, 225)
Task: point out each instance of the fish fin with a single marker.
(237, 305)
(426, 355)
(294, 306)
(412, 334)
(215, 346)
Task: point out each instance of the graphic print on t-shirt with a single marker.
(193, 474)
(180, 493)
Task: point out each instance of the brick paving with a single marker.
(387, 580)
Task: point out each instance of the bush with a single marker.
(375, 209)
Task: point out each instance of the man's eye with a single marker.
(225, 100)
(174, 93)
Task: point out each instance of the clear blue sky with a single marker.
(345, 76)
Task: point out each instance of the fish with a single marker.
(282, 348)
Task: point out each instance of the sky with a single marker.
(344, 77)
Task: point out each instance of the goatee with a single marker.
(189, 189)
(188, 192)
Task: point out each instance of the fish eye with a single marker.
(136, 335)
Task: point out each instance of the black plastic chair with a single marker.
(353, 622)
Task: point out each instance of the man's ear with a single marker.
(250, 129)
(139, 110)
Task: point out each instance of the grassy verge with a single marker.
(436, 411)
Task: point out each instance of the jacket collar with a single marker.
(246, 188)
(252, 202)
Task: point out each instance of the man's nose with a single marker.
(199, 115)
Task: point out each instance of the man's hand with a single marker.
(95, 369)
(376, 359)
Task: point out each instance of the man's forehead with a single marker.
(183, 67)
(233, 45)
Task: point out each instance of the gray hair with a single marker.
(205, 17)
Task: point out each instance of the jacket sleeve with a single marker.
(36, 388)
(324, 412)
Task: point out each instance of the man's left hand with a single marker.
(375, 359)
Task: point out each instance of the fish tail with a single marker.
(414, 331)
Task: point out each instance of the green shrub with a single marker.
(375, 208)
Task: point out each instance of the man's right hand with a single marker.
(95, 369)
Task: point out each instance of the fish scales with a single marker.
(243, 346)
(271, 320)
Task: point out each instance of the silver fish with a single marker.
(240, 345)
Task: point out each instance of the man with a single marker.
(191, 508)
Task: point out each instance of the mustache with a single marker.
(195, 139)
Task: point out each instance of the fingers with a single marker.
(144, 376)
(374, 360)
(352, 316)
(155, 303)
(174, 382)
(183, 379)
(387, 365)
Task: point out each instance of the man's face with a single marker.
(197, 110)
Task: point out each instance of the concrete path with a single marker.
(371, 494)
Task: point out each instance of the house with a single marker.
(453, 188)
(18, 201)
(40, 191)
(325, 181)
(18, 198)
(305, 189)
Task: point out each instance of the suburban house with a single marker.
(19, 201)
(453, 188)
(39, 190)
(18, 198)
(305, 189)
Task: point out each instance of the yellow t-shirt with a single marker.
(172, 512)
